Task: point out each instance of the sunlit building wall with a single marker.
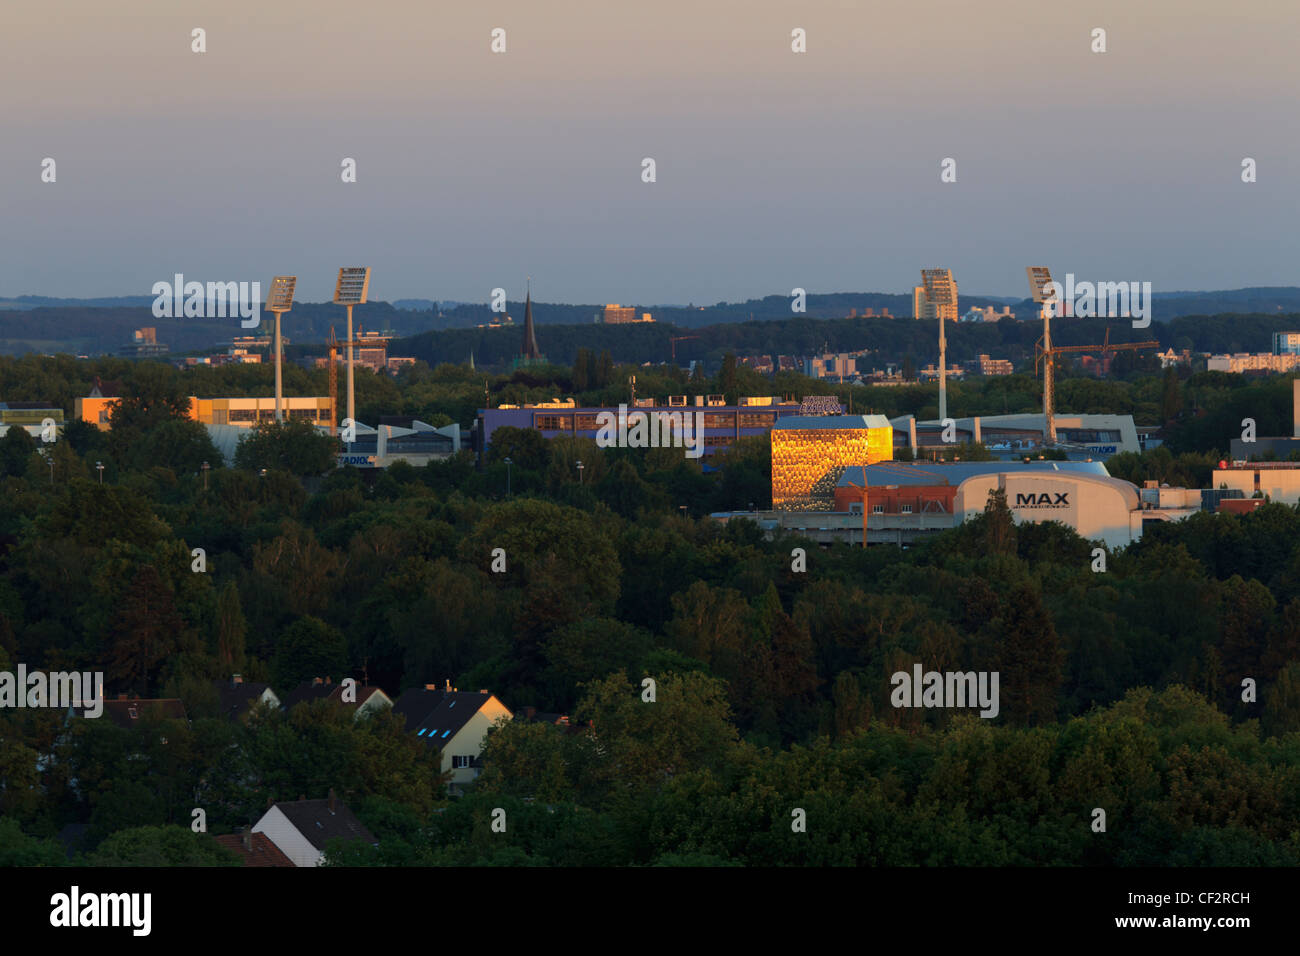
(810, 453)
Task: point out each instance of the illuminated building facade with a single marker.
(810, 454)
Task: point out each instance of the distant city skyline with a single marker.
(774, 169)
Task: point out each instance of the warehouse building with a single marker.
(903, 502)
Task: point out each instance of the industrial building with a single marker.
(723, 423)
(96, 408)
(903, 502)
(400, 438)
(1012, 436)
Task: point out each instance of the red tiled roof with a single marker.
(263, 852)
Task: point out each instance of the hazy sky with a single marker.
(774, 169)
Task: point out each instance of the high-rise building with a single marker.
(1286, 343)
(616, 314)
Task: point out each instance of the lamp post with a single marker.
(509, 462)
(99, 467)
(682, 509)
(205, 467)
(580, 467)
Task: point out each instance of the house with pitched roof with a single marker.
(301, 828)
(365, 699)
(454, 723)
(255, 849)
(237, 697)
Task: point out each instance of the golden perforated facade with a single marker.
(808, 458)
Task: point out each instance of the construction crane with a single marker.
(362, 339)
(1105, 347)
(673, 340)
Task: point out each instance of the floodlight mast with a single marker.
(1044, 293)
(280, 301)
(352, 288)
(940, 290)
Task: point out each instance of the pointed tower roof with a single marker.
(531, 350)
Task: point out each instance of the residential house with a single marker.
(255, 849)
(301, 828)
(453, 722)
(238, 697)
(367, 699)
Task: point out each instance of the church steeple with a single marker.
(531, 351)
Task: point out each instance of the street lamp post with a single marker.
(580, 467)
(205, 467)
(99, 467)
(509, 462)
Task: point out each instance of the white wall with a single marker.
(286, 836)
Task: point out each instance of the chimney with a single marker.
(248, 839)
(236, 678)
(333, 800)
(269, 802)
(449, 686)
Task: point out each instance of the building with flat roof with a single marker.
(244, 412)
(903, 502)
(723, 423)
(1012, 436)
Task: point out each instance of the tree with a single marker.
(162, 846)
(581, 371)
(145, 630)
(307, 649)
(16, 450)
(294, 446)
(727, 375)
(231, 628)
(1000, 524)
(1030, 658)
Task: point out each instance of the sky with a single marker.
(774, 169)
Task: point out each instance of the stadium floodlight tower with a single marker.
(353, 284)
(280, 301)
(1043, 290)
(941, 291)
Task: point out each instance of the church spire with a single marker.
(531, 351)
